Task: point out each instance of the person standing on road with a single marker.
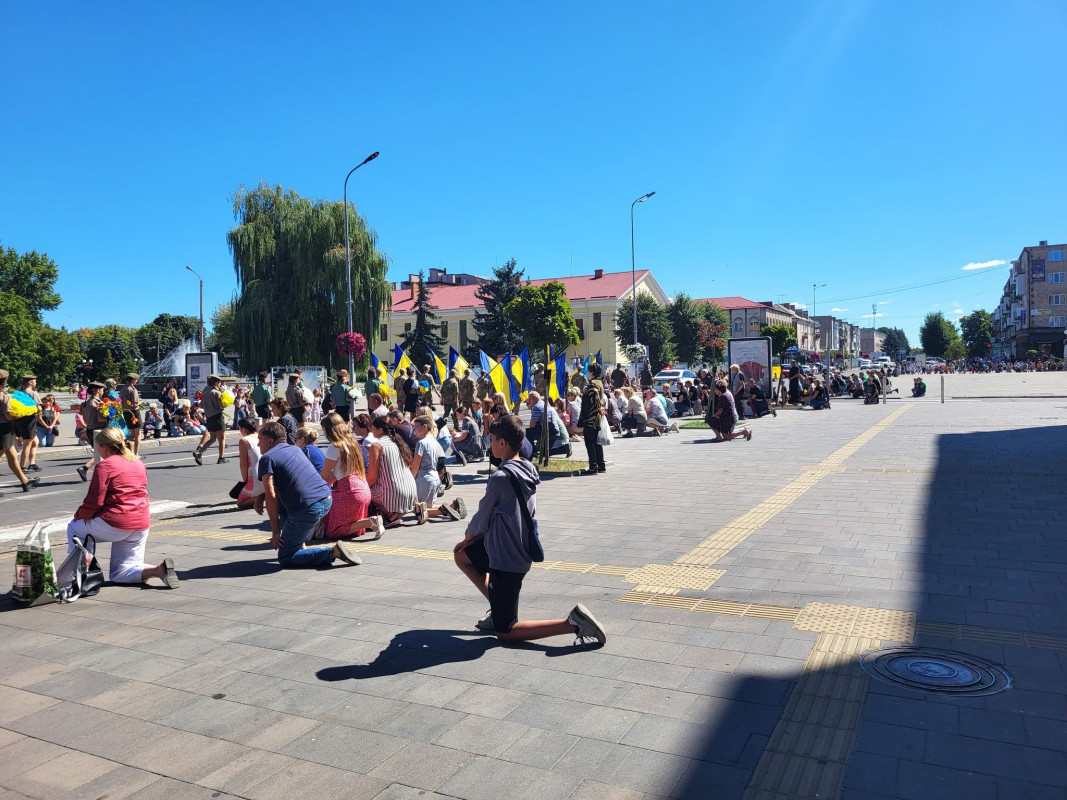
(296, 498)
(131, 410)
(372, 385)
(295, 398)
(7, 436)
(342, 405)
(26, 428)
(450, 394)
(262, 394)
(211, 403)
(466, 389)
(794, 383)
(93, 423)
(592, 409)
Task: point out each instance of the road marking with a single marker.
(685, 571)
(57, 525)
(30, 495)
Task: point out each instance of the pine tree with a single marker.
(107, 368)
(497, 335)
(424, 334)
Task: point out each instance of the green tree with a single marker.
(544, 317)
(936, 334)
(32, 276)
(714, 328)
(18, 334)
(106, 368)
(289, 257)
(496, 334)
(685, 317)
(57, 356)
(976, 332)
(955, 350)
(895, 341)
(223, 337)
(783, 337)
(120, 341)
(423, 335)
(653, 329)
(167, 331)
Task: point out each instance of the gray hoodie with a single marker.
(499, 518)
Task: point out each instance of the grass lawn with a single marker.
(695, 424)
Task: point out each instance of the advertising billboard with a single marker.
(753, 356)
(1037, 270)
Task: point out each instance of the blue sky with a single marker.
(867, 146)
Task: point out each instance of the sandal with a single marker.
(379, 529)
(748, 434)
(422, 514)
(460, 506)
(447, 510)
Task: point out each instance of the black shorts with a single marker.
(25, 427)
(263, 412)
(7, 436)
(215, 423)
(504, 588)
(345, 412)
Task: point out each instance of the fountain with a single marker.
(172, 365)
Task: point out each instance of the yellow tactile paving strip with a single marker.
(736, 531)
(810, 746)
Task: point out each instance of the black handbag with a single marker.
(532, 541)
(236, 490)
(79, 575)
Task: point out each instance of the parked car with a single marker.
(671, 378)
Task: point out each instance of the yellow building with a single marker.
(595, 300)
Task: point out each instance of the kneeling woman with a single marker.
(392, 486)
(724, 418)
(115, 510)
(343, 470)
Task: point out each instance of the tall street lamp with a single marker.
(197, 274)
(348, 270)
(633, 261)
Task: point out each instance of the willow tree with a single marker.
(289, 256)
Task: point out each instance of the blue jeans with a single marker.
(296, 528)
(46, 437)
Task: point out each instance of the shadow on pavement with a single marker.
(993, 555)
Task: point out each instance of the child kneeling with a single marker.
(493, 554)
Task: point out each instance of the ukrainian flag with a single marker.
(596, 359)
(486, 362)
(521, 369)
(400, 361)
(457, 362)
(498, 376)
(374, 362)
(438, 368)
(558, 387)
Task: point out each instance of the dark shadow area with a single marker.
(262, 546)
(418, 649)
(992, 558)
(229, 569)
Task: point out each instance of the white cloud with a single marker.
(801, 305)
(996, 262)
(959, 311)
(879, 314)
(883, 302)
(838, 309)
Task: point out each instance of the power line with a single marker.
(909, 288)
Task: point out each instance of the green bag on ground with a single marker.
(35, 572)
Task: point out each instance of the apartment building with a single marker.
(838, 337)
(1032, 312)
(747, 318)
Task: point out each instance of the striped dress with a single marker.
(394, 492)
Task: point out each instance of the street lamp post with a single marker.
(197, 274)
(633, 261)
(348, 271)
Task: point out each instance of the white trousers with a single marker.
(127, 547)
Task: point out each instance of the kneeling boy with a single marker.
(492, 553)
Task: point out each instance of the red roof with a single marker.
(581, 287)
(731, 303)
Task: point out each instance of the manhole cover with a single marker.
(937, 671)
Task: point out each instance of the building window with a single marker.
(1056, 255)
(581, 328)
(753, 325)
(407, 327)
(597, 321)
(462, 334)
(1056, 299)
(737, 326)
(1057, 322)
(1056, 277)
(444, 330)
(384, 333)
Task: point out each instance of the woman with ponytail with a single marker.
(392, 486)
(115, 510)
(343, 470)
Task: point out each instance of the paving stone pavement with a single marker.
(945, 528)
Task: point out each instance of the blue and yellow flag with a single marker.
(457, 362)
(400, 361)
(498, 376)
(374, 362)
(558, 387)
(438, 368)
(585, 366)
(486, 362)
(596, 359)
(526, 376)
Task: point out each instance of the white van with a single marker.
(864, 363)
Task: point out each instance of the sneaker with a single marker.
(448, 480)
(223, 461)
(33, 467)
(349, 554)
(83, 473)
(198, 456)
(171, 578)
(440, 490)
(461, 459)
(674, 427)
(570, 450)
(460, 506)
(486, 622)
(449, 511)
(30, 484)
(586, 626)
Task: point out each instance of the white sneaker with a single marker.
(674, 427)
(486, 622)
(586, 626)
